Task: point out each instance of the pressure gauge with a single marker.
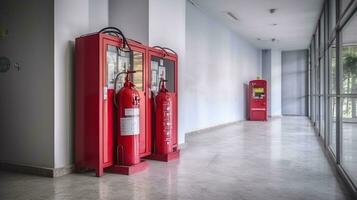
(4, 64)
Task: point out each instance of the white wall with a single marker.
(271, 67)
(26, 96)
(131, 17)
(266, 74)
(275, 83)
(294, 82)
(219, 63)
(167, 28)
(98, 14)
(72, 19)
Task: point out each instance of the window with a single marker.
(349, 57)
(332, 15)
(317, 46)
(138, 65)
(332, 100)
(349, 137)
(322, 33)
(344, 5)
(349, 100)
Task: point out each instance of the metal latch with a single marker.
(105, 93)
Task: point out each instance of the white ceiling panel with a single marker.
(295, 20)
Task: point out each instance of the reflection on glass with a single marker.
(119, 61)
(162, 69)
(322, 117)
(343, 5)
(332, 14)
(322, 32)
(317, 40)
(349, 57)
(123, 58)
(111, 68)
(333, 69)
(349, 104)
(317, 110)
(349, 60)
(349, 135)
(137, 78)
(317, 104)
(333, 124)
(322, 100)
(312, 81)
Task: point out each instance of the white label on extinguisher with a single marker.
(129, 126)
(131, 112)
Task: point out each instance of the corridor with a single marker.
(281, 159)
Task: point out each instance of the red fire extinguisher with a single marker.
(164, 115)
(127, 101)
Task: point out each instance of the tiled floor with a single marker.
(276, 160)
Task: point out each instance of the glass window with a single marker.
(349, 57)
(313, 83)
(333, 129)
(313, 97)
(317, 47)
(349, 103)
(322, 33)
(309, 82)
(111, 68)
(332, 100)
(118, 61)
(317, 104)
(162, 68)
(332, 15)
(343, 5)
(333, 69)
(349, 137)
(322, 99)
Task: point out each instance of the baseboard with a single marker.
(275, 116)
(35, 170)
(213, 127)
(63, 171)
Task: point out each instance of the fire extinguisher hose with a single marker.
(174, 52)
(119, 34)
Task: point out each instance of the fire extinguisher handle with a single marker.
(162, 83)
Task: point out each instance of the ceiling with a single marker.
(292, 24)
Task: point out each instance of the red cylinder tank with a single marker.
(128, 100)
(164, 112)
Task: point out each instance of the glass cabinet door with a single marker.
(162, 69)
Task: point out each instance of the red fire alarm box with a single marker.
(257, 100)
(99, 57)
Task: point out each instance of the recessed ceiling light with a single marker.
(193, 3)
(272, 10)
(230, 14)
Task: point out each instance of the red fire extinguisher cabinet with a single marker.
(257, 100)
(163, 65)
(94, 107)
